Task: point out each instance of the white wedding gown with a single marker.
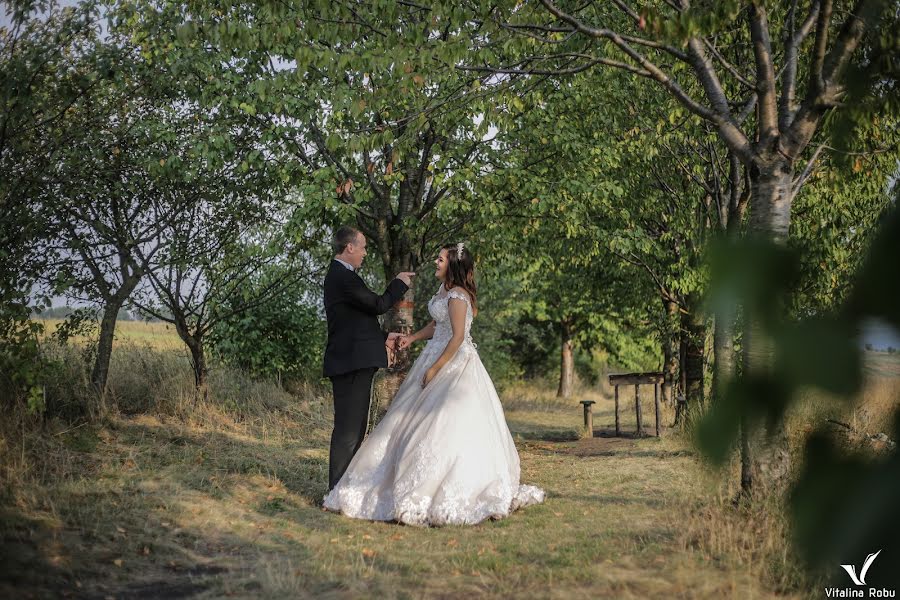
(442, 454)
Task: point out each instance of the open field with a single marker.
(157, 335)
(882, 364)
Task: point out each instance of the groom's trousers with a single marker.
(351, 414)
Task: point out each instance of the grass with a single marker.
(221, 499)
(149, 504)
(155, 507)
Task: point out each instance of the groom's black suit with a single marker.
(354, 352)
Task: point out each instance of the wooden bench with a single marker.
(637, 379)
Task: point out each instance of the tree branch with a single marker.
(765, 74)
(789, 74)
(807, 171)
(719, 115)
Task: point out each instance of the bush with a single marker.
(20, 365)
(284, 338)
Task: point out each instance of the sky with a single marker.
(4, 10)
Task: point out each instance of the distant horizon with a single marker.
(880, 335)
(875, 332)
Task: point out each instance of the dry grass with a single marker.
(753, 536)
(158, 335)
(151, 506)
(221, 499)
(154, 506)
(855, 420)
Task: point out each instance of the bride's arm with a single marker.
(457, 309)
(426, 333)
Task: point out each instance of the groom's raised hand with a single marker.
(406, 277)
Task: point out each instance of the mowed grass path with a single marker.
(150, 507)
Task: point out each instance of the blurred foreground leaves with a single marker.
(844, 505)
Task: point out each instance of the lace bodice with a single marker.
(439, 309)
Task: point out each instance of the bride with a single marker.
(442, 454)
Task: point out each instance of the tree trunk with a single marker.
(194, 342)
(567, 362)
(764, 457)
(670, 351)
(693, 331)
(399, 319)
(114, 303)
(100, 371)
(770, 193)
(198, 364)
(723, 352)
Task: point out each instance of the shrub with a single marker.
(284, 338)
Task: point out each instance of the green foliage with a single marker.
(843, 505)
(872, 104)
(28, 372)
(78, 322)
(369, 120)
(45, 70)
(21, 367)
(837, 212)
(283, 337)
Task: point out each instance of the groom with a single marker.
(357, 346)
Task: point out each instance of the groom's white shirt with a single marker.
(345, 264)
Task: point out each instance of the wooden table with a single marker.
(637, 379)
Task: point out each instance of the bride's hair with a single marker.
(461, 271)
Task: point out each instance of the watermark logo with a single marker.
(862, 590)
(851, 569)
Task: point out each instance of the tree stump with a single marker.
(588, 418)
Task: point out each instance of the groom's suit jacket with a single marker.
(355, 339)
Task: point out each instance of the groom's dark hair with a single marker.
(343, 236)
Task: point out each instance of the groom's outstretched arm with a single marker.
(368, 301)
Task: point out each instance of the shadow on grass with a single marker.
(301, 474)
(605, 442)
(606, 499)
(524, 430)
(632, 453)
(170, 514)
(24, 564)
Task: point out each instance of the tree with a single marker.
(734, 70)
(382, 138)
(104, 204)
(207, 263)
(547, 209)
(46, 69)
